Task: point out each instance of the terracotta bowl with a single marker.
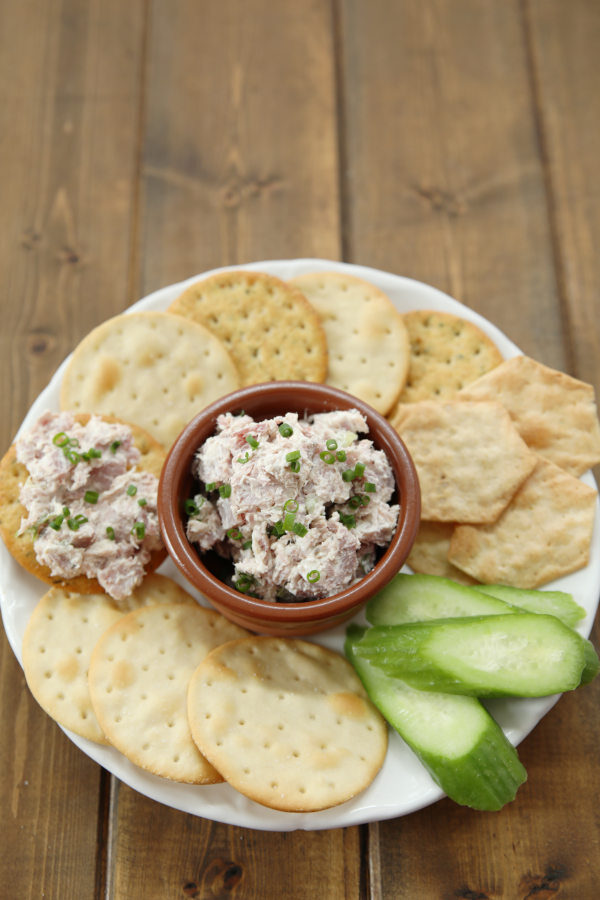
(263, 401)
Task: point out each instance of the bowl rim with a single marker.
(177, 469)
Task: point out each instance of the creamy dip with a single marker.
(300, 506)
(90, 510)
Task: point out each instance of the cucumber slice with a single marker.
(526, 655)
(459, 743)
(552, 603)
(418, 598)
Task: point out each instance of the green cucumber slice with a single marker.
(526, 655)
(418, 598)
(459, 743)
(552, 603)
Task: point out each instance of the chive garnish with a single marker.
(115, 446)
(348, 475)
(341, 455)
(295, 465)
(359, 470)
(142, 502)
(291, 505)
(292, 455)
(139, 529)
(234, 533)
(348, 520)
(74, 523)
(56, 522)
(245, 458)
(246, 545)
(355, 501)
(110, 532)
(250, 439)
(61, 439)
(210, 486)
(191, 506)
(313, 576)
(327, 456)
(300, 529)
(369, 486)
(277, 529)
(244, 583)
(225, 490)
(331, 444)
(288, 521)
(72, 455)
(132, 490)
(285, 430)
(91, 496)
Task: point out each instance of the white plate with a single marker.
(402, 785)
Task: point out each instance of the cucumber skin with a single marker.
(485, 778)
(398, 650)
(395, 603)
(392, 605)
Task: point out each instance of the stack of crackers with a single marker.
(187, 695)
(499, 458)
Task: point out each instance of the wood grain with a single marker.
(68, 133)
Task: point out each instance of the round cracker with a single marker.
(149, 368)
(59, 639)
(138, 677)
(447, 352)
(13, 475)
(268, 326)
(366, 336)
(286, 722)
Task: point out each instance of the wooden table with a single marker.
(454, 141)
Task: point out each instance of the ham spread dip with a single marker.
(90, 510)
(300, 506)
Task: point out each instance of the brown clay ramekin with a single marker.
(263, 401)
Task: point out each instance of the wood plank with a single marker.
(242, 166)
(68, 143)
(441, 103)
(198, 858)
(563, 41)
(445, 182)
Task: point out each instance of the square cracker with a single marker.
(555, 414)
(544, 533)
(469, 458)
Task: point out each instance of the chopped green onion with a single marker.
(142, 502)
(210, 486)
(73, 442)
(56, 522)
(110, 532)
(66, 511)
(292, 455)
(348, 520)
(191, 507)
(364, 500)
(61, 439)
(92, 453)
(250, 439)
(285, 430)
(359, 470)
(355, 501)
(331, 444)
(291, 505)
(234, 533)
(132, 490)
(370, 487)
(348, 475)
(341, 455)
(300, 529)
(72, 455)
(244, 583)
(75, 523)
(115, 446)
(245, 458)
(277, 529)
(139, 529)
(225, 490)
(246, 545)
(313, 576)
(295, 465)
(327, 457)
(91, 496)
(288, 521)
